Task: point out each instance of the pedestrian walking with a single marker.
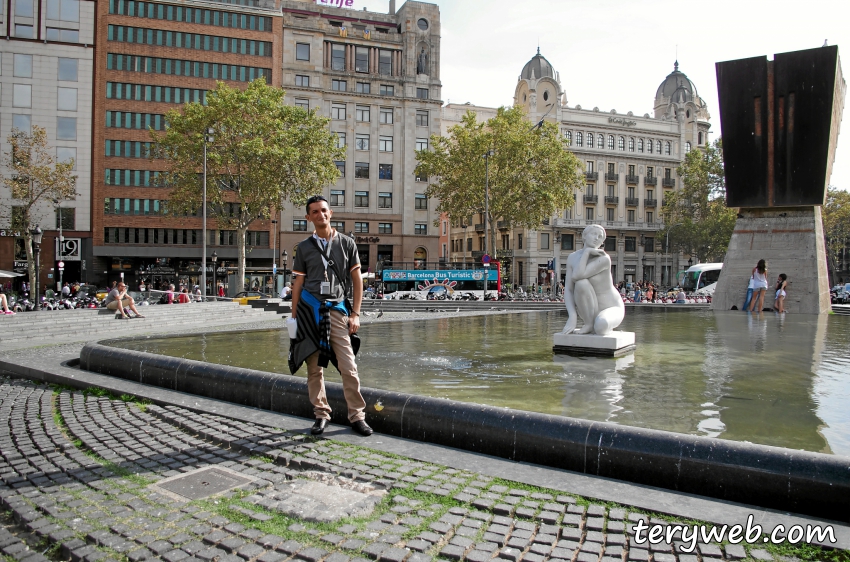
(326, 296)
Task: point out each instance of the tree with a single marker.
(696, 216)
(37, 180)
(836, 223)
(532, 173)
(262, 152)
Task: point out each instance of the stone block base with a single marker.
(791, 241)
(612, 345)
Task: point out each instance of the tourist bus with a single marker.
(701, 277)
(441, 282)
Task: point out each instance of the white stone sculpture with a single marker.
(589, 289)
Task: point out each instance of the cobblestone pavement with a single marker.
(87, 477)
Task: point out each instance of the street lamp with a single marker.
(285, 261)
(61, 240)
(642, 256)
(487, 155)
(207, 139)
(36, 234)
(214, 259)
(274, 258)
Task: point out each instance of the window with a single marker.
(24, 8)
(610, 190)
(361, 227)
(631, 144)
(303, 103)
(610, 167)
(67, 99)
(609, 213)
(590, 165)
(649, 171)
(589, 140)
(568, 136)
(420, 201)
(385, 62)
(340, 166)
(23, 66)
(588, 190)
(588, 213)
(361, 59)
(385, 171)
(339, 85)
(66, 35)
(421, 118)
(337, 197)
(361, 142)
(667, 172)
(385, 115)
(340, 140)
(22, 95)
(631, 192)
(579, 139)
(361, 170)
(302, 51)
(699, 138)
(649, 146)
(385, 228)
(421, 177)
(610, 142)
(23, 31)
(362, 113)
(610, 243)
(302, 81)
(567, 241)
(65, 154)
(687, 147)
(338, 226)
(640, 145)
(387, 90)
(631, 169)
(658, 147)
(421, 144)
(650, 193)
(338, 57)
(385, 200)
(67, 216)
(22, 122)
(66, 128)
(649, 244)
(621, 143)
(420, 229)
(337, 111)
(631, 216)
(422, 23)
(422, 93)
(518, 241)
(364, 87)
(385, 144)
(649, 216)
(299, 225)
(65, 10)
(544, 240)
(68, 70)
(631, 245)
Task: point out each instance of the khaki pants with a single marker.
(127, 301)
(341, 345)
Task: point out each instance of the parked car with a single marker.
(842, 296)
(245, 296)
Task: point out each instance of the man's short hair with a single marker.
(314, 199)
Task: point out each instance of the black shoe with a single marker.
(362, 428)
(319, 427)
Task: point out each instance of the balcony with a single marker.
(668, 182)
(479, 227)
(565, 222)
(650, 202)
(632, 201)
(632, 179)
(591, 199)
(650, 180)
(612, 176)
(591, 176)
(503, 225)
(612, 199)
(501, 254)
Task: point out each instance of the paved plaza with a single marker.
(139, 473)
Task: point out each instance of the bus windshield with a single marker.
(689, 281)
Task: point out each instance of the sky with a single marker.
(613, 54)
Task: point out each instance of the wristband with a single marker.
(355, 314)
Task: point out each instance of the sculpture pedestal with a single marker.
(612, 345)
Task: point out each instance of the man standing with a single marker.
(327, 271)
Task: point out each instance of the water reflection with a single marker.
(766, 378)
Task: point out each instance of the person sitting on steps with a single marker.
(120, 301)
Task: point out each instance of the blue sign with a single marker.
(394, 275)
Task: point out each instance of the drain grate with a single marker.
(202, 483)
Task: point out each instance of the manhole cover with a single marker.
(202, 483)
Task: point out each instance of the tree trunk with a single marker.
(240, 272)
(30, 263)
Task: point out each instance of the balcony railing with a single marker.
(668, 182)
(500, 254)
(593, 176)
(613, 199)
(479, 227)
(632, 201)
(650, 180)
(565, 222)
(612, 176)
(591, 198)
(650, 202)
(632, 179)
(503, 225)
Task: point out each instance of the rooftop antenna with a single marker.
(825, 43)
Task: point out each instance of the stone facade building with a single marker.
(377, 76)
(630, 165)
(46, 72)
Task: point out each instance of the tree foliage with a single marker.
(532, 174)
(696, 216)
(36, 181)
(836, 222)
(261, 153)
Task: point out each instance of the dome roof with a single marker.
(541, 67)
(677, 88)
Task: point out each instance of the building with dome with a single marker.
(630, 167)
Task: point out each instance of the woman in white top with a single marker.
(759, 286)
